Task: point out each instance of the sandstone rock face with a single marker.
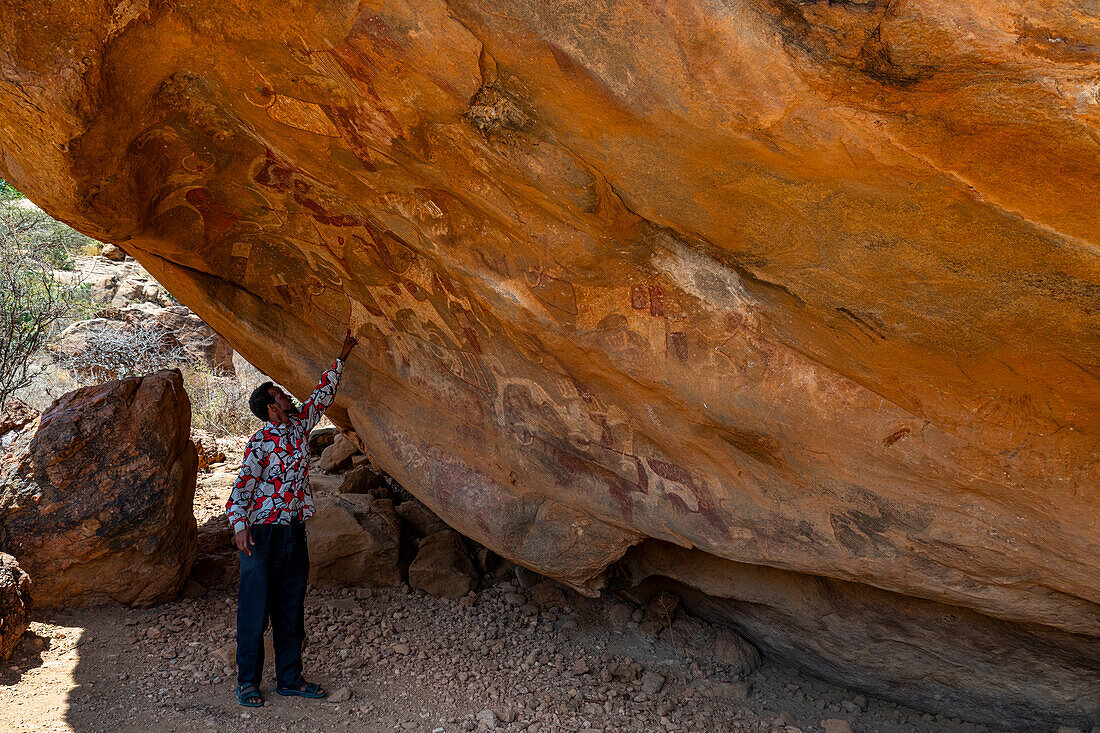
(354, 539)
(15, 604)
(803, 285)
(96, 495)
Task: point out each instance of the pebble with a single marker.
(652, 683)
(343, 694)
(487, 718)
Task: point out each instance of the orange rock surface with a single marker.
(802, 284)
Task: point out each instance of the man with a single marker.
(267, 509)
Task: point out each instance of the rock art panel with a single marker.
(807, 286)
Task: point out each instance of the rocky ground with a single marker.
(395, 660)
(505, 657)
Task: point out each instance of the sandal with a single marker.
(249, 696)
(310, 689)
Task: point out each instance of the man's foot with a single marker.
(249, 696)
(304, 689)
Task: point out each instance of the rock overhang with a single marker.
(804, 285)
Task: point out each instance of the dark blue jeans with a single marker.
(273, 585)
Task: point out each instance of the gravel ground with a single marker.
(396, 660)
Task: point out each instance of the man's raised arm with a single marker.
(314, 407)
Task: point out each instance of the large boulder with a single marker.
(113, 253)
(200, 342)
(354, 539)
(15, 604)
(320, 439)
(96, 495)
(802, 285)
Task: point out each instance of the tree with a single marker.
(32, 301)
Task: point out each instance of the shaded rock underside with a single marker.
(796, 284)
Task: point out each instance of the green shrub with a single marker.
(8, 192)
(32, 303)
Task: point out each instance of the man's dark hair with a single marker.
(260, 399)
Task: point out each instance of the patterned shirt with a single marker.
(273, 486)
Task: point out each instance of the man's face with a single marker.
(283, 404)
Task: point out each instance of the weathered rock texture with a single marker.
(799, 284)
(96, 495)
(442, 566)
(14, 416)
(354, 539)
(15, 604)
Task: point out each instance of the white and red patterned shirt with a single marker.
(273, 486)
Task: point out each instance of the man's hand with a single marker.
(244, 541)
(349, 344)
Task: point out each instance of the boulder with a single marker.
(325, 483)
(15, 415)
(442, 567)
(207, 449)
(200, 342)
(96, 495)
(354, 539)
(112, 253)
(320, 439)
(364, 480)
(130, 290)
(419, 519)
(102, 288)
(802, 285)
(15, 604)
(547, 593)
(662, 608)
(733, 651)
(338, 455)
